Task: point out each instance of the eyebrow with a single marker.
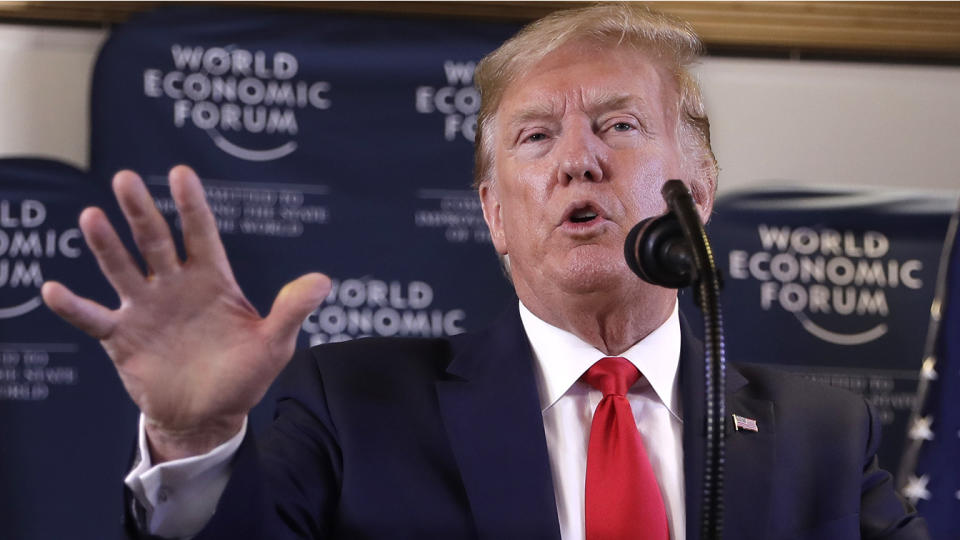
(536, 111)
(600, 104)
(607, 102)
(636, 104)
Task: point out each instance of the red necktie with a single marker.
(622, 500)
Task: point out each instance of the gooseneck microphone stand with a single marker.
(673, 251)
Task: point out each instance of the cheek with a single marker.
(523, 208)
(643, 196)
(527, 191)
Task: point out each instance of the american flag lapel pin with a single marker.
(744, 423)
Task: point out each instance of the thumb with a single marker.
(294, 302)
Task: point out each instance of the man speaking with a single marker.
(577, 414)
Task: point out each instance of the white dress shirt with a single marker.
(560, 358)
(180, 496)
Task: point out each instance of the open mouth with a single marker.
(583, 215)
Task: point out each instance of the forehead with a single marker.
(589, 77)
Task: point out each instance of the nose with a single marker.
(580, 155)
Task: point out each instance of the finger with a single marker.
(85, 314)
(200, 236)
(149, 229)
(114, 259)
(295, 301)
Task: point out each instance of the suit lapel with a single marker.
(492, 416)
(749, 456)
(691, 393)
(750, 463)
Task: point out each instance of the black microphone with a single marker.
(673, 251)
(657, 251)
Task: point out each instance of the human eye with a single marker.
(620, 124)
(533, 136)
(620, 129)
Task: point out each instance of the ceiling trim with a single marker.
(922, 30)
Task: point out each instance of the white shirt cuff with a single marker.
(180, 496)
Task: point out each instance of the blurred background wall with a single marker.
(861, 93)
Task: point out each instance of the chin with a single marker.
(585, 274)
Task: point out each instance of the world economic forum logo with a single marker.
(246, 101)
(458, 101)
(835, 283)
(365, 306)
(26, 243)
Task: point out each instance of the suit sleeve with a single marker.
(287, 485)
(883, 513)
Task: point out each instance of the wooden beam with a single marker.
(924, 30)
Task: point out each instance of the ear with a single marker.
(704, 190)
(490, 202)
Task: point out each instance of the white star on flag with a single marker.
(916, 489)
(929, 371)
(921, 428)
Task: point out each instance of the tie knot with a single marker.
(612, 375)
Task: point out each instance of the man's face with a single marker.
(583, 143)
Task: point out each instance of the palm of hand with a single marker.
(191, 351)
(208, 357)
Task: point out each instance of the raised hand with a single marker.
(192, 352)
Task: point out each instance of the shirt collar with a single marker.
(560, 358)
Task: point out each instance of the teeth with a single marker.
(584, 215)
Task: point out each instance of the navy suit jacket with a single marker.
(443, 438)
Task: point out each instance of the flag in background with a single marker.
(930, 471)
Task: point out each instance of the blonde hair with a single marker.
(672, 41)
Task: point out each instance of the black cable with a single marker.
(656, 253)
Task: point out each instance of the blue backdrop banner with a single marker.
(337, 144)
(67, 425)
(326, 143)
(835, 285)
